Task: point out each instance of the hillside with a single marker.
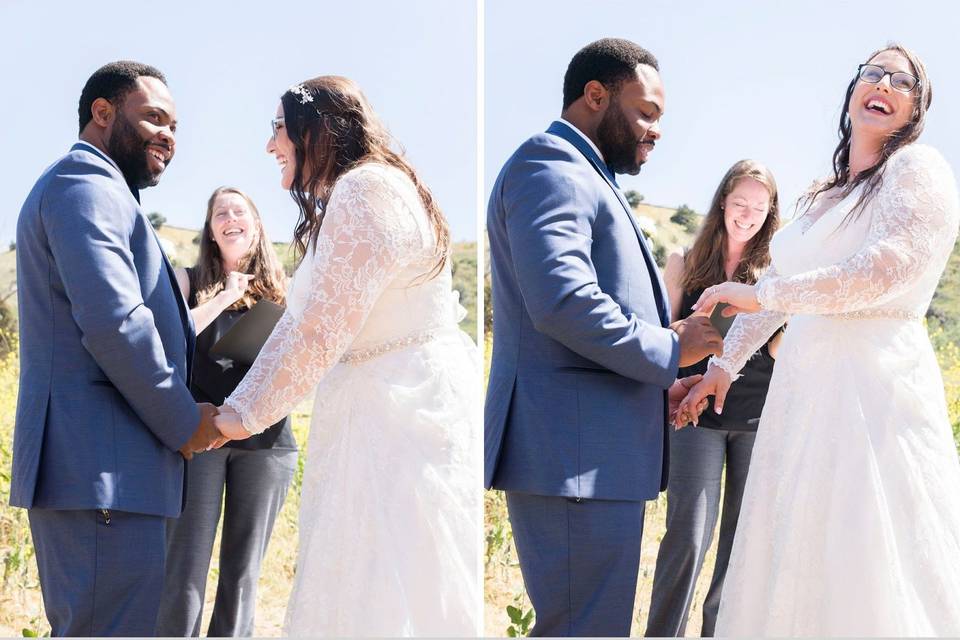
(182, 248)
(945, 309)
(670, 234)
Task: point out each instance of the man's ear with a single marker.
(103, 112)
(596, 96)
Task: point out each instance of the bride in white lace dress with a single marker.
(390, 507)
(850, 522)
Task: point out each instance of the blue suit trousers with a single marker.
(101, 571)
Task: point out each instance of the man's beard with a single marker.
(617, 142)
(129, 151)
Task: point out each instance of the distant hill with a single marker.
(182, 247)
(671, 235)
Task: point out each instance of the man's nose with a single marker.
(167, 136)
(654, 130)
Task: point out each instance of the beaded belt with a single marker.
(362, 355)
(865, 314)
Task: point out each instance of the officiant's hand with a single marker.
(677, 392)
(230, 425)
(235, 286)
(716, 383)
(205, 435)
(742, 298)
(698, 339)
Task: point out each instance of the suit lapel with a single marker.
(562, 130)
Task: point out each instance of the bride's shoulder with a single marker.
(372, 174)
(375, 190)
(918, 156)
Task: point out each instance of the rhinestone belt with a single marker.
(362, 355)
(864, 314)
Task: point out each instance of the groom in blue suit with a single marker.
(583, 354)
(104, 415)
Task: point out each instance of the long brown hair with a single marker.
(705, 263)
(269, 282)
(334, 129)
(872, 178)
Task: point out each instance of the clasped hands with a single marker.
(688, 397)
(218, 425)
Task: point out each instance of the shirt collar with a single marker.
(584, 136)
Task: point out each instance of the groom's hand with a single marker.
(698, 339)
(205, 435)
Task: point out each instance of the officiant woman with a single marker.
(237, 268)
(733, 244)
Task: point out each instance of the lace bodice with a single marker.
(885, 263)
(364, 283)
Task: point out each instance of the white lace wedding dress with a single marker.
(850, 523)
(390, 508)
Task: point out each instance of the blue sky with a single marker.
(743, 79)
(227, 64)
(762, 80)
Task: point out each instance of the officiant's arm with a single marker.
(89, 237)
(367, 234)
(549, 225)
(915, 212)
(204, 314)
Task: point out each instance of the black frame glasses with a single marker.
(275, 126)
(896, 77)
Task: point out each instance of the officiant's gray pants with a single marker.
(697, 457)
(251, 486)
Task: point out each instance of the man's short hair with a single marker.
(609, 61)
(113, 82)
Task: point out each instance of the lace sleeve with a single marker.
(747, 334)
(915, 212)
(368, 233)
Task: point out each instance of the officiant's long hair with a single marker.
(333, 129)
(269, 279)
(705, 264)
(872, 178)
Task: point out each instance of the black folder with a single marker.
(721, 324)
(247, 336)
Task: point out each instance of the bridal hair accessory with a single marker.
(303, 94)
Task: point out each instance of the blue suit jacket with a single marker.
(106, 342)
(576, 402)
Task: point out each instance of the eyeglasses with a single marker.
(275, 125)
(899, 80)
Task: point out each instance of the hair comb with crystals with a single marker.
(303, 94)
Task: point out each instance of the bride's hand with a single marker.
(742, 298)
(717, 383)
(228, 422)
(678, 391)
